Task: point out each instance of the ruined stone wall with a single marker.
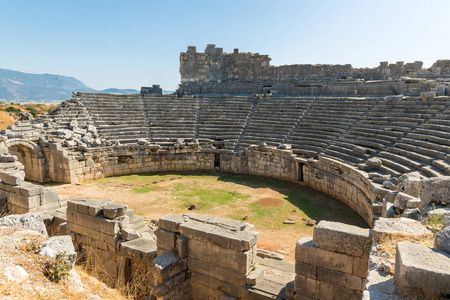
(196, 256)
(216, 66)
(133, 159)
(333, 263)
(216, 72)
(344, 182)
(264, 161)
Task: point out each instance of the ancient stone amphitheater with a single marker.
(377, 139)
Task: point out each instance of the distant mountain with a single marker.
(120, 91)
(16, 85)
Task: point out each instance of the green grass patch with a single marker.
(204, 198)
(143, 190)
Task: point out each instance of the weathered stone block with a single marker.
(342, 238)
(165, 239)
(182, 246)
(339, 278)
(306, 252)
(170, 222)
(95, 209)
(168, 265)
(138, 249)
(423, 267)
(217, 272)
(306, 270)
(112, 210)
(51, 196)
(29, 189)
(435, 190)
(240, 241)
(306, 287)
(341, 293)
(12, 177)
(227, 258)
(442, 240)
(128, 234)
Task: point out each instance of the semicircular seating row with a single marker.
(408, 135)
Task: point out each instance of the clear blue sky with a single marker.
(129, 44)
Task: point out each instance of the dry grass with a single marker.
(388, 242)
(8, 118)
(37, 285)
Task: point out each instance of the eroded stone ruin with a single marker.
(376, 139)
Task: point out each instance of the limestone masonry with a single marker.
(376, 139)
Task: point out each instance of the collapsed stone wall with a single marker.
(216, 72)
(333, 263)
(197, 256)
(216, 66)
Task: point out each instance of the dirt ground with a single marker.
(264, 202)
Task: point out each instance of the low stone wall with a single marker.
(133, 159)
(344, 182)
(333, 264)
(23, 197)
(100, 231)
(194, 256)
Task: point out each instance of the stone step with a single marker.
(422, 154)
(395, 165)
(402, 159)
(434, 139)
(432, 171)
(347, 158)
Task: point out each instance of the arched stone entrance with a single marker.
(31, 156)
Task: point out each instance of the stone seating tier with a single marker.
(410, 134)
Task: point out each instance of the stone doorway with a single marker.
(32, 158)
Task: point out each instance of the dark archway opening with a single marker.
(300, 172)
(34, 163)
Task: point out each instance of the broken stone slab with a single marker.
(374, 163)
(8, 158)
(442, 240)
(422, 267)
(139, 249)
(394, 98)
(60, 245)
(446, 221)
(439, 213)
(79, 131)
(12, 177)
(342, 238)
(128, 234)
(428, 95)
(412, 213)
(168, 265)
(29, 189)
(389, 185)
(224, 223)
(410, 183)
(32, 221)
(114, 210)
(240, 240)
(401, 200)
(73, 124)
(440, 90)
(142, 141)
(384, 227)
(435, 189)
(171, 222)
